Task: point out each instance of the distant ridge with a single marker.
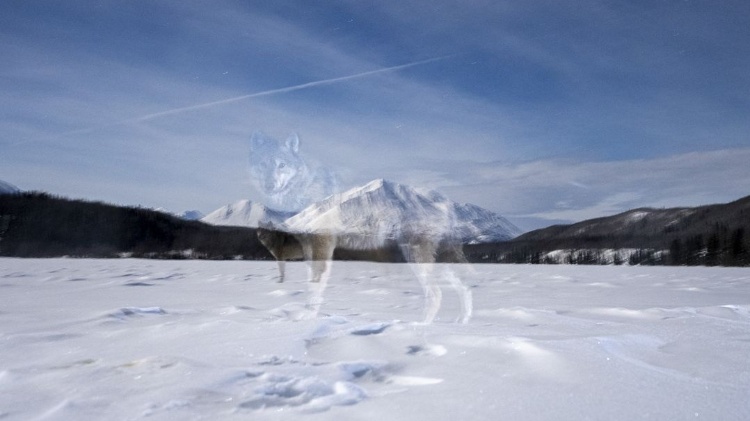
(42, 225)
(7, 188)
(191, 215)
(355, 209)
(705, 235)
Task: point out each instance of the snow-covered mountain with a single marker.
(7, 188)
(192, 215)
(189, 215)
(245, 213)
(387, 210)
(479, 225)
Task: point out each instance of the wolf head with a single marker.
(276, 167)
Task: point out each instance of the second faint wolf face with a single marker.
(274, 165)
(288, 181)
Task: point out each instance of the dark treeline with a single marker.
(42, 225)
(723, 246)
(707, 235)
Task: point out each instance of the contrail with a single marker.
(261, 94)
(284, 90)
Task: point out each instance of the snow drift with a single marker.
(129, 339)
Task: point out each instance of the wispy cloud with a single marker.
(579, 111)
(554, 190)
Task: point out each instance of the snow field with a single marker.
(138, 339)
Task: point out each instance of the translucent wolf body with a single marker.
(419, 251)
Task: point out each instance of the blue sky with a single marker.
(543, 111)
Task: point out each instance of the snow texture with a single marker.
(163, 340)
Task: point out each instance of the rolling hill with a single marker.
(710, 235)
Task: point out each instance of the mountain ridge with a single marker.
(385, 208)
(360, 208)
(37, 224)
(708, 234)
(34, 224)
(244, 213)
(7, 188)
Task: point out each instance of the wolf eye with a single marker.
(281, 165)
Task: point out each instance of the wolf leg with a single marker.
(421, 257)
(282, 268)
(321, 256)
(464, 295)
(315, 291)
(319, 250)
(433, 295)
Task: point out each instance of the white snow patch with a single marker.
(547, 342)
(636, 216)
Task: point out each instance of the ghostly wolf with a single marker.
(419, 251)
(288, 181)
(418, 233)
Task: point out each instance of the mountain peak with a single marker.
(192, 215)
(385, 209)
(244, 213)
(375, 184)
(7, 188)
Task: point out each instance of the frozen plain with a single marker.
(163, 340)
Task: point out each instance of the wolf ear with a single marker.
(292, 142)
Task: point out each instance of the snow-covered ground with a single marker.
(182, 340)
